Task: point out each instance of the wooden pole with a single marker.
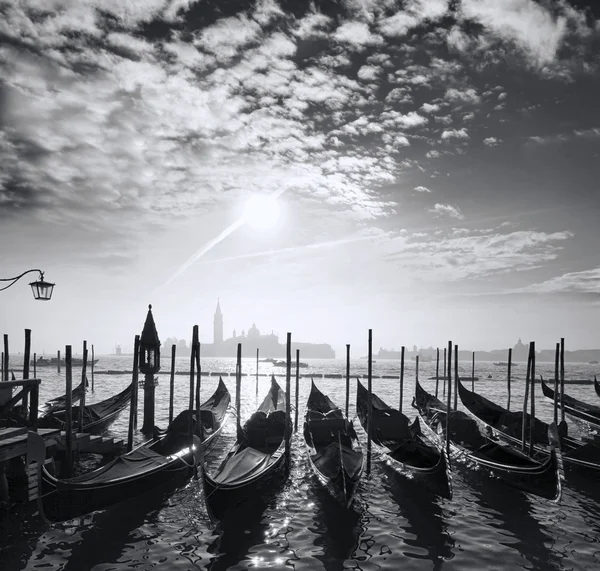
(401, 397)
(257, 374)
(135, 387)
(92, 367)
(82, 401)
(199, 465)
(347, 379)
(455, 377)
(370, 401)
(473, 373)
(449, 397)
(532, 417)
(556, 369)
(2, 369)
(437, 371)
(198, 375)
(35, 365)
(26, 354)
(288, 387)
(58, 361)
(238, 390)
(297, 389)
(508, 377)
(562, 378)
(191, 397)
(5, 357)
(172, 382)
(133, 404)
(68, 469)
(445, 372)
(525, 399)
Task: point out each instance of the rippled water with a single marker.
(394, 523)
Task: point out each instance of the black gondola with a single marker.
(403, 446)
(334, 451)
(256, 457)
(507, 425)
(574, 407)
(165, 460)
(96, 417)
(59, 403)
(476, 449)
(597, 386)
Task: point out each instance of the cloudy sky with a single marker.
(437, 166)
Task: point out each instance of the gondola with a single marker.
(507, 425)
(96, 417)
(469, 444)
(59, 403)
(334, 451)
(403, 446)
(254, 460)
(574, 407)
(166, 460)
(597, 386)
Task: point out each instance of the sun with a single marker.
(262, 212)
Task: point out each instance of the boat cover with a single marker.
(327, 461)
(245, 464)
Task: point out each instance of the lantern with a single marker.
(149, 357)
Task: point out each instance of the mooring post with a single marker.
(58, 361)
(525, 402)
(256, 373)
(172, 382)
(556, 359)
(473, 373)
(449, 395)
(191, 428)
(134, 401)
(238, 390)
(532, 417)
(198, 375)
(347, 379)
(370, 400)
(198, 464)
(26, 354)
(5, 357)
(445, 373)
(288, 388)
(455, 377)
(92, 367)
(68, 469)
(401, 397)
(83, 383)
(508, 377)
(437, 371)
(562, 379)
(297, 389)
(34, 366)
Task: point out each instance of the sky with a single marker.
(436, 165)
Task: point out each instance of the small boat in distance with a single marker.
(505, 364)
(53, 362)
(284, 364)
(592, 362)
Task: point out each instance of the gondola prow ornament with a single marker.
(149, 364)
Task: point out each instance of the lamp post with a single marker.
(149, 364)
(41, 289)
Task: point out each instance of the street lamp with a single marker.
(41, 289)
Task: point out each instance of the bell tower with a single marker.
(218, 325)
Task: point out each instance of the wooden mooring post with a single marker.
(288, 388)
(26, 354)
(562, 379)
(370, 400)
(191, 425)
(455, 377)
(525, 402)
(401, 398)
(256, 374)
(556, 369)
(68, 466)
(508, 377)
(172, 382)
(448, 374)
(92, 367)
(473, 373)
(5, 369)
(437, 371)
(532, 414)
(58, 361)
(297, 390)
(83, 384)
(347, 379)
(445, 373)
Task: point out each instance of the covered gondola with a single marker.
(166, 460)
(254, 460)
(403, 446)
(477, 450)
(96, 417)
(578, 409)
(507, 425)
(597, 386)
(334, 451)
(59, 403)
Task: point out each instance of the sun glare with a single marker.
(262, 212)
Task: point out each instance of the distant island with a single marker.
(268, 345)
(519, 353)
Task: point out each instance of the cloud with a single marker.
(422, 189)
(529, 24)
(430, 107)
(491, 141)
(586, 281)
(455, 134)
(447, 210)
(468, 95)
(357, 34)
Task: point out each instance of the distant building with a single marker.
(267, 345)
(118, 350)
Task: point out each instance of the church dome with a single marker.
(253, 332)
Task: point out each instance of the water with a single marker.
(394, 523)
